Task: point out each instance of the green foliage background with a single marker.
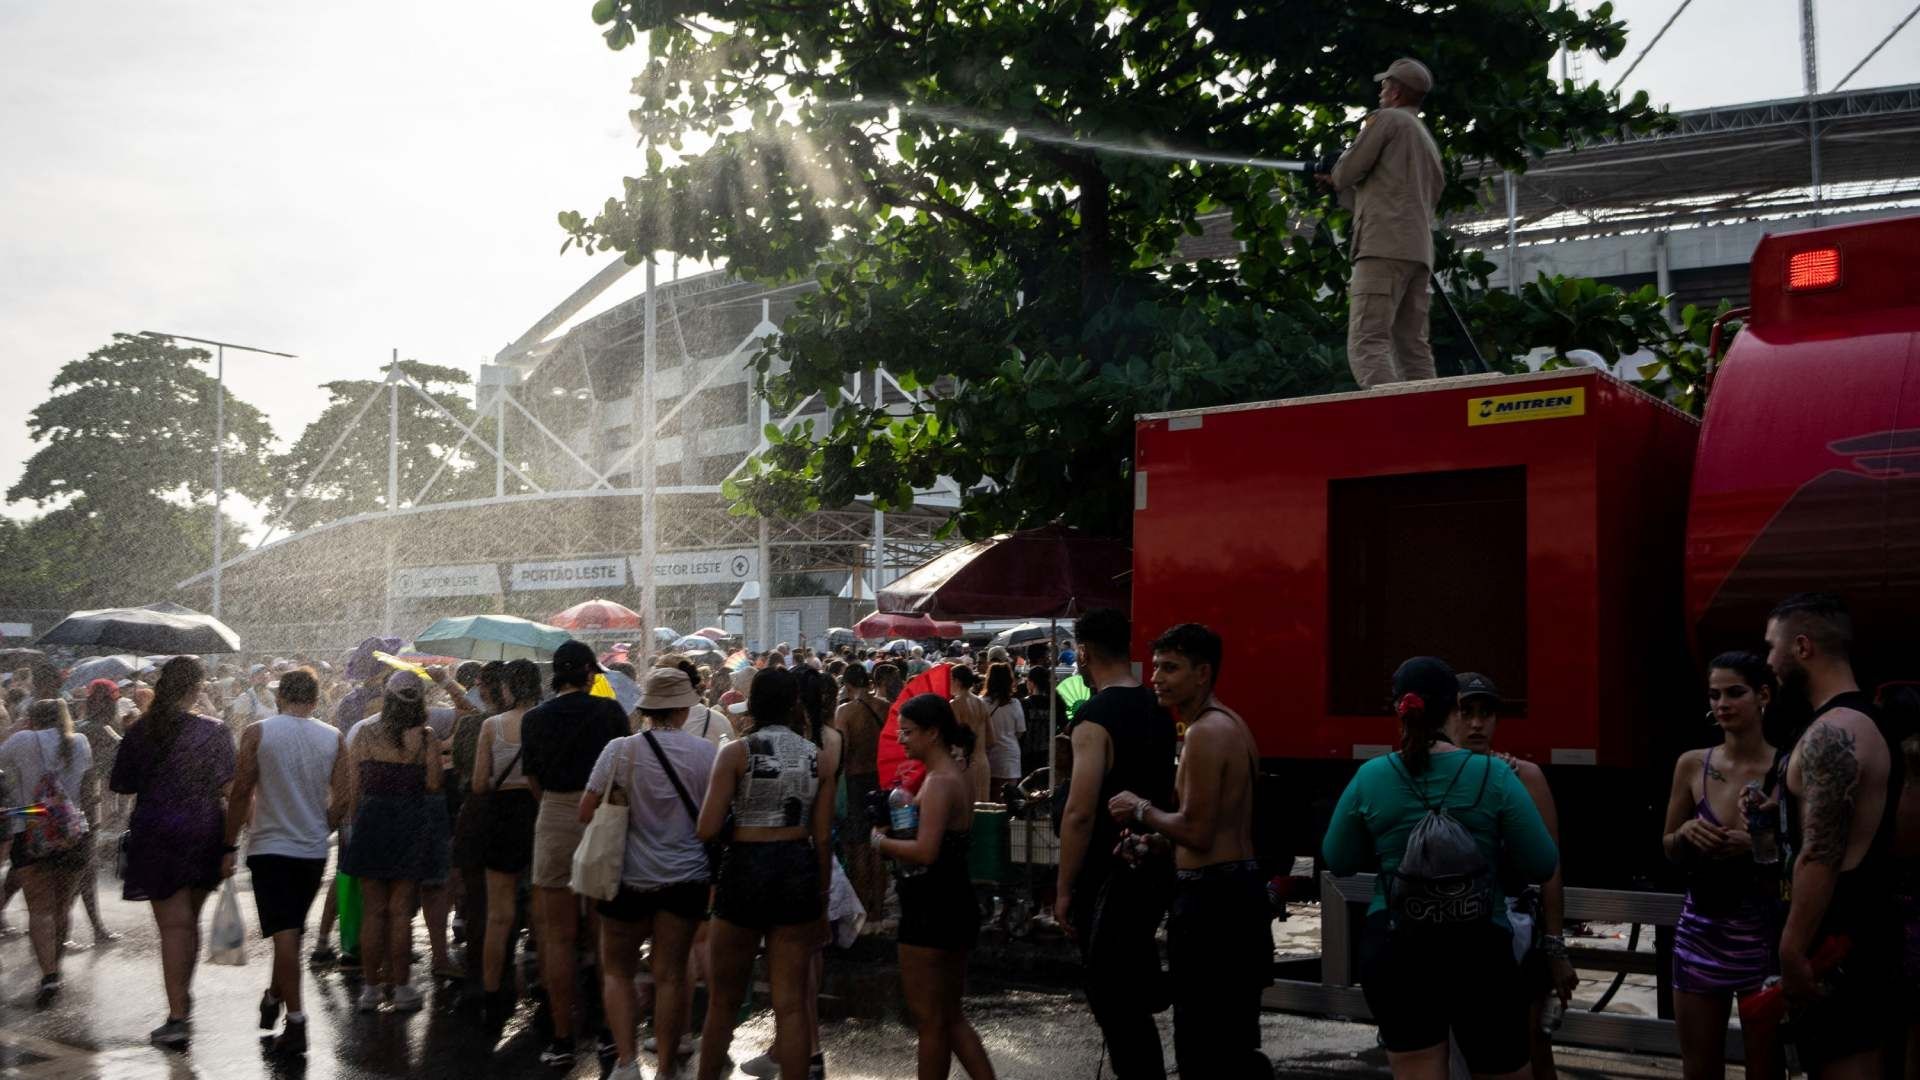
(1035, 280)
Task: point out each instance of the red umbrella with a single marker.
(712, 633)
(948, 630)
(881, 624)
(896, 769)
(598, 615)
(1052, 572)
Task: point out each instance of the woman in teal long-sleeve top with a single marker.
(1422, 982)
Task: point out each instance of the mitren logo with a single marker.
(1511, 408)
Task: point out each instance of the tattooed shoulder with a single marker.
(1831, 771)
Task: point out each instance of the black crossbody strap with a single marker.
(673, 778)
(508, 771)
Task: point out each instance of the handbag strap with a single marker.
(512, 761)
(673, 778)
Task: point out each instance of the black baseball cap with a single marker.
(1474, 684)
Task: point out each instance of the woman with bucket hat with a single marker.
(664, 877)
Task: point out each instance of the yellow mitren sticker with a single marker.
(1512, 408)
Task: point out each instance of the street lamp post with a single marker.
(219, 439)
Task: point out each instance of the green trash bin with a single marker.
(347, 893)
(990, 857)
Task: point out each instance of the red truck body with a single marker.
(1582, 543)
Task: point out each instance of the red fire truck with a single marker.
(1582, 543)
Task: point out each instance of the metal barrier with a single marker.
(1338, 995)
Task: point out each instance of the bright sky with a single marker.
(339, 179)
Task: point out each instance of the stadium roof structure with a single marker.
(1717, 165)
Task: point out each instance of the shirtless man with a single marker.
(1219, 935)
(974, 713)
(860, 718)
(1839, 781)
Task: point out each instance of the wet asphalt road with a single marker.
(113, 997)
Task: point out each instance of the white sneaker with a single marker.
(371, 998)
(651, 1044)
(626, 1071)
(762, 1066)
(407, 998)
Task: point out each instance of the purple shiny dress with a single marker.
(178, 826)
(1725, 940)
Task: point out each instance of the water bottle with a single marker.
(903, 820)
(1551, 1014)
(903, 817)
(1762, 826)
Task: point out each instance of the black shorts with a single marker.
(507, 844)
(856, 827)
(283, 890)
(688, 899)
(770, 884)
(1863, 1011)
(1421, 984)
(938, 911)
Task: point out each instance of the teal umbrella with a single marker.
(491, 637)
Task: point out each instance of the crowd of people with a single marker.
(751, 819)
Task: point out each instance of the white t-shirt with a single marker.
(26, 756)
(254, 703)
(663, 847)
(1005, 726)
(708, 724)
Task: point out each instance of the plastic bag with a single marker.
(845, 915)
(227, 937)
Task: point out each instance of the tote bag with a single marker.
(601, 856)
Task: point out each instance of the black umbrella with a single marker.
(144, 630)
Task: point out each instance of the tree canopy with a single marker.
(994, 192)
(135, 418)
(127, 466)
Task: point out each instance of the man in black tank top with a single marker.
(1122, 741)
(1843, 785)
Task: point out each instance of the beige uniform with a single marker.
(1391, 178)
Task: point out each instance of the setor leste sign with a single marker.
(473, 579)
(732, 566)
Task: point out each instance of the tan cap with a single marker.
(1409, 73)
(668, 688)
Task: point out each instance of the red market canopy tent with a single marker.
(598, 615)
(881, 624)
(1053, 572)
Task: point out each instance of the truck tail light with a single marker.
(1818, 268)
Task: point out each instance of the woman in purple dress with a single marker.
(1725, 944)
(178, 765)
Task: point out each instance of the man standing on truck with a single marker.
(1391, 179)
(1219, 934)
(1122, 741)
(1843, 782)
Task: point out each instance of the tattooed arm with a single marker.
(1830, 785)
